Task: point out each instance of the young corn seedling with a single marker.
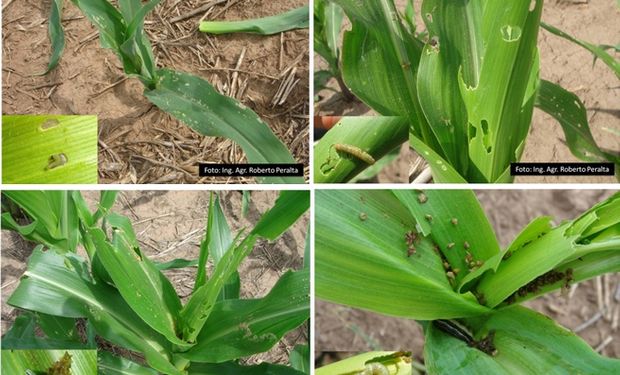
(189, 98)
(432, 256)
(126, 299)
(467, 88)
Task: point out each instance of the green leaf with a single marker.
(60, 285)
(53, 216)
(217, 241)
(245, 202)
(294, 19)
(49, 149)
(233, 368)
(500, 102)
(195, 102)
(379, 62)
(527, 343)
(239, 328)
(361, 259)
(40, 361)
(106, 201)
(22, 336)
(289, 206)
(570, 112)
(149, 293)
(441, 169)
(300, 358)
(375, 136)
(595, 50)
(200, 305)
(454, 48)
(58, 328)
(110, 364)
(56, 35)
(457, 229)
(176, 264)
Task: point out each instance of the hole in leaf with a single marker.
(485, 127)
(511, 33)
(49, 124)
(472, 131)
(532, 5)
(429, 17)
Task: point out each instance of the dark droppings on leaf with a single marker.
(535, 285)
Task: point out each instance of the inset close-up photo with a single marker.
(49, 149)
(491, 281)
(370, 363)
(483, 85)
(175, 84)
(158, 282)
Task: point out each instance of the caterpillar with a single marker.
(374, 369)
(355, 151)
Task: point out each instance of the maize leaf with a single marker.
(56, 35)
(294, 19)
(597, 51)
(457, 229)
(48, 149)
(300, 358)
(289, 206)
(379, 63)
(548, 348)
(149, 293)
(239, 328)
(110, 364)
(361, 258)
(570, 112)
(195, 102)
(53, 216)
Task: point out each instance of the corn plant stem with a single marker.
(346, 93)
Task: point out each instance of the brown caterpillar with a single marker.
(355, 151)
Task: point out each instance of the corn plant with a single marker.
(381, 363)
(432, 256)
(189, 98)
(126, 299)
(467, 87)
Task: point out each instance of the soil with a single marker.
(340, 328)
(562, 62)
(170, 225)
(139, 143)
